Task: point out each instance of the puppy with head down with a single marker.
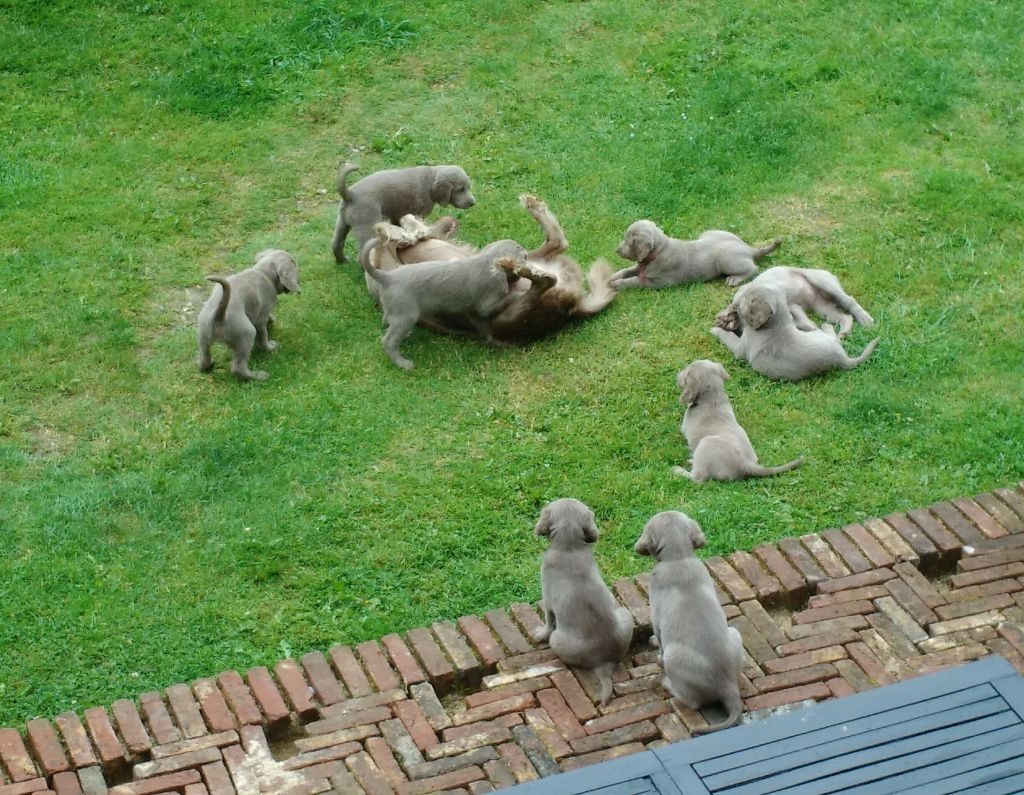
(239, 308)
(701, 654)
(663, 261)
(775, 347)
(719, 447)
(388, 195)
(805, 289)
(582, 621)
(478, 286)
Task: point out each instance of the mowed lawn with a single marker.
(159, 524)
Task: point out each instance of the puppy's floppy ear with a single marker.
(756, 311)
(641, 244)
(543, 526)
(643, 545)
(688, 387)
(696, 535)
(722, 371)
(445, 183)
(590, 529)
(288, 273)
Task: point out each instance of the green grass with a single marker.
(159, 524)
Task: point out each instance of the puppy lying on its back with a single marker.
(477, 286)
(805, 289)
(701, 654)
(239, 308)
(663, 261)
(584, 624)
(775, 347)
(720, 448)
(390, 194)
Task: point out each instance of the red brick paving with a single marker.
(471, 705)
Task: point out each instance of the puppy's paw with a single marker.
(540, 635)
(271, 346)
(531, 202)
(260, 375)
(680, 472)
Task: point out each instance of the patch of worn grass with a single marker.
(165, 524)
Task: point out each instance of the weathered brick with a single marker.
(346, 720)
(981, 576)
(792, 662)
(471, 729)
(817, 641)
(166, 783)
(329, 754)
(351, 672)
(931, 557)
(92, 780)
(530, 661)
(885, 653)
(403, 660)
(1005, 650)
(508, 633)
(401, 742)
(446, 764)
(561, 715)
(867, 593)
(800, 676)
(377, 665)
(872, 548)
(737, 589)
(416, 724)
(367, 774)
(984, 521)
(576, 698)
(482, 640)
(238, 699)
(854, 581)
(442, 782)
(841, 610)
(671, 728)
(296, 689)
(15, 757)
(217, 779)
(104, 738)
(626, 716)
(172, 764)
(1013, 634)
(213, 705)
(991, 617)
(956, 522)
(920, 585)
(489, 711)
(485, 733)
(768, 589)
(825, 556)
(504, 691)
(945, 541)
(159, 719)
(890, 608)
(911, 602)
(754, 642)
(971, 607)
(816, 690)
(77, 741)
(178, 747)
(630, 598)
(527, 618)
(1007, 586)
(634, 732)
(999, 511)
(535, 750)
(65, 783)
(521, 674)
(1000, 558)
(340, 737)
(808, 568)
(605, 755)
(426, 697)
(869, 663)
(892, 541)
(195, 789)
(382, 756)
(499, 771)
(794, 586)
(547, 731)
(1014, 499)
(963, 637)
(929, 663)
(839, 687)
(467, 666)
(185, 710)
(440, 672)
(848, 551)
(800, 631)
(326, 687)
(43, 741)
(268, 697)
(893, 635)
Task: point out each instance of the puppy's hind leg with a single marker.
(205, 360)
(604, 673)
(555, 241)
(398, 330)
(243, 341)
(263, 338)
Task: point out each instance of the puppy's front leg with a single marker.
(730, 340)
(263, 338)
(541, 635)
(555, 241)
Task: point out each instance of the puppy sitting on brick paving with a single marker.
(584, 624)
(701, 654)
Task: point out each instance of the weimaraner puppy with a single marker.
(663, 261)
(478, 287)
(239, 308)
(719, 447)
(388, 195)
(582, 621)
(701, 654)
(805, 289)
(775, 347)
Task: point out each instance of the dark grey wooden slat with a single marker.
(874, 777)
(628, 775)
(1013, 691)
(954, 775)
(1008, 785)
(856, 736)
(714, 753)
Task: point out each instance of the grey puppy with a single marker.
(719, 447)
(663, 261)
(239, 309)
(477, 286)
(582, 621)
(805, 289)
(390, 194)
(775, 347)
(701, 654)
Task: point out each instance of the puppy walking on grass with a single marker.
(582, 621)
(478, 287)
(701, 654)
(239, 308)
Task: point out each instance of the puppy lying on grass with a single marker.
(477, 287)
(701, 654)
(719, 447)
(663, 261)
(239, 308)
(582, 621)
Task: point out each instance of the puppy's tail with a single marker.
(601, 293)
(762, 472)
(379, 276)
(343, 173)
(603, 672)
(765, 250)
(225, 296)
(851, 363)
(734, 704)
